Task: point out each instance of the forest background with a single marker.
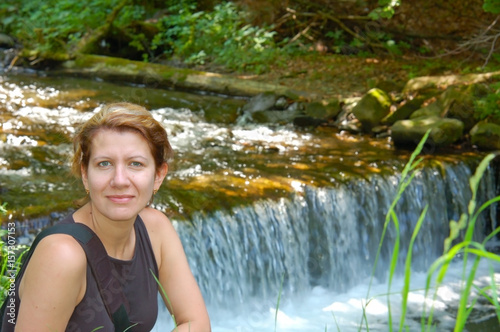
(328, 47)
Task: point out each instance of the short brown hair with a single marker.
(121, 117)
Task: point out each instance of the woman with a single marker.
(121, 156)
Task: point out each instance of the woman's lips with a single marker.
(120, 199)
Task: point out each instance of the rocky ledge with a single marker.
(445, 105)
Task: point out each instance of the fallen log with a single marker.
(423, 82)
(163, 76)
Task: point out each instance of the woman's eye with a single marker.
(136, 164)
(104, 164)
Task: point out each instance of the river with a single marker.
(264, 212)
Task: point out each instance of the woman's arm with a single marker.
(185, 301)
(53, 284)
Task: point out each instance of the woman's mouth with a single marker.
(120, 199)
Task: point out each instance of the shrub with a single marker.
(220, 36)
(52, 25)
(488, 107)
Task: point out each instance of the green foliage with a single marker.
(492, 6)
(52, 25)
(220, 36)
(338, 40)
(396, 48)
(488, 107)
(385, 9)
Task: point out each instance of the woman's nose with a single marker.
(120, 177)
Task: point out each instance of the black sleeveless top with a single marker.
(139, 286)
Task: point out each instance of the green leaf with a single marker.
(492, 6)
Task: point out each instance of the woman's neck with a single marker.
(118, 237)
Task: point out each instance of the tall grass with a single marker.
(453, 247)
(467, 247)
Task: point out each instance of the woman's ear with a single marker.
(160, 175)
(85, 181)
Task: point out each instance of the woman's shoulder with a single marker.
(155, 220)
(53, 284)
(161, 233)
(63, 248)
(57, 257)
(158, 226)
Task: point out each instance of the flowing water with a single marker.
(264, 212)
(318, 250)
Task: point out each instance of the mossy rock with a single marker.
(319, 111)
(486, 135)
(6, 41)
(404, 111)
(454, 102)
(430, 110)
(464, 104)
(372, 108)
(220, 114)
(443, 131)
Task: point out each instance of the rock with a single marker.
(450, 97)
(296, 107)
(346, 121)
(404, 111)
(456, 102)
(380, 130)
(307, 121)
(221, 113)
(281, 103)
(265, 108)
(463, 106)
(273, 116)
(486, 135)
(372, 108)
(439, 107)
(261, 102)
(323, 112)
(444, 131)
(6, 41)
(433, 109)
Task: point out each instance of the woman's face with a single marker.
(121, 174)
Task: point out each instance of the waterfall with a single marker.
(325, 237)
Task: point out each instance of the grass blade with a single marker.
(406, 285)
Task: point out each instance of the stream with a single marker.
(281, 225)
